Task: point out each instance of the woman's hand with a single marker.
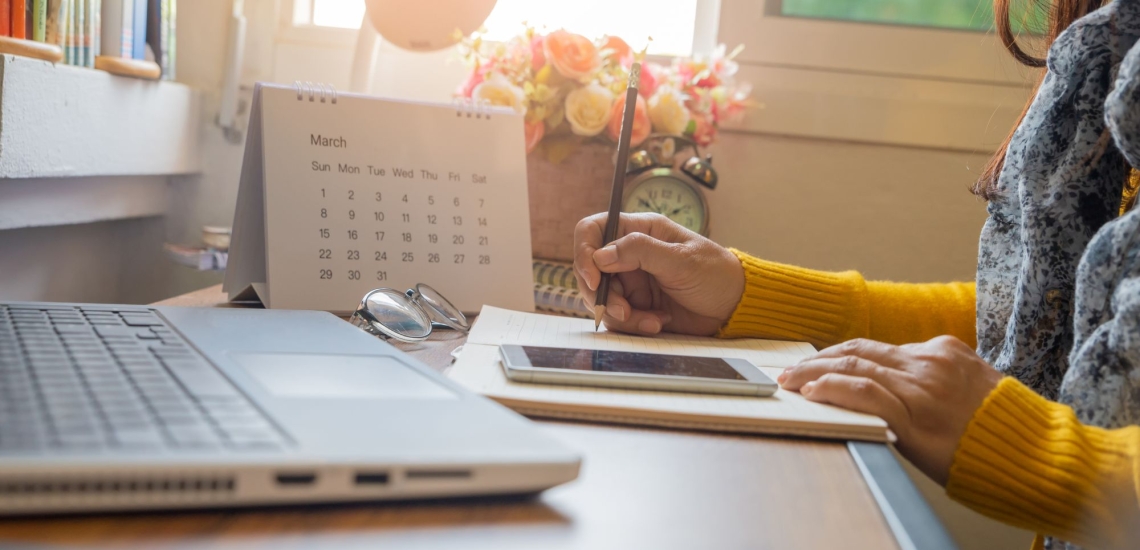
(926, 392)
(669, 277)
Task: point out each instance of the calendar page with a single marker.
(366, 193)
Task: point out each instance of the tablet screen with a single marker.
(634, 363)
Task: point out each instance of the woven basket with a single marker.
(564, 193)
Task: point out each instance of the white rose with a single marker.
(588, 109)
(497, 90)
(667, 111)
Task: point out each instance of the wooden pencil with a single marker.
(618, 185)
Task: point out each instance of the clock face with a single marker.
(670, 196)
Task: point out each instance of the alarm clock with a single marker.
(659, 185)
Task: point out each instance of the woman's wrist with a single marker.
(786, 302)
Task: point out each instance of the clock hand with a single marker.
(679, 210)
(645, 204)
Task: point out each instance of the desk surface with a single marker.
(638, 488)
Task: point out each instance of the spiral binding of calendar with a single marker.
(472, 108)
(319, 91)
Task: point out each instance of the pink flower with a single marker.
(708, 80)
(641, 123)
(534, 131)
(704, 131)
(477, 76)
(649, 80)
(537, 55)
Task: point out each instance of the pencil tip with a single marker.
(598, 312)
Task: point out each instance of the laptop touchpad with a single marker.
(339, 376)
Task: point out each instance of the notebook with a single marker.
(786, 413)
(344, 193)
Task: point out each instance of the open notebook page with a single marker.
(478, 368)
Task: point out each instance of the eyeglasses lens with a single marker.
(434, 300)
(397, 313)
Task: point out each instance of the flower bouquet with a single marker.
(571, 91)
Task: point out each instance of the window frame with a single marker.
(775, 40)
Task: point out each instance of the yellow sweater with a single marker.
(1023, 460)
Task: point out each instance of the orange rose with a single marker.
(572, 55)
(620, 50)
(533, 132)
(641, 122)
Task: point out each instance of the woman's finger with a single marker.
(637, 288)
(587, 239)
(646, 323)
(878, 352)
(861, 395)
(808, 370)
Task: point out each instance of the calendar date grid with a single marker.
(364, 234)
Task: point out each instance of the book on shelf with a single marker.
(18, 15)
(52, 29)
(169, 16)
(5, 17)
(39, 20)
(79, 24)
(160, 34)
(118, 28)
(94, 31)
(138, 33)
(154, 30)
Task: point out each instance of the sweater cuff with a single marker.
(1027, 461)
(785, 302)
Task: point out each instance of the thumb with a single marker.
(639, 251)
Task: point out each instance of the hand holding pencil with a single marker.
(643, 272)
(664, 277)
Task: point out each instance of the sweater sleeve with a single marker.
(824, 308)
(1029, 462)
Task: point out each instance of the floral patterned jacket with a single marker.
(1058, 270)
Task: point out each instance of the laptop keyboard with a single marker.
(116, 378)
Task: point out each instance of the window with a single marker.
(671, 23)
(953, 14)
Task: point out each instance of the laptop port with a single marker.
(295, 478)
(438, 474)
(372, 478)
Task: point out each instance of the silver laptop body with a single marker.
(106, 407)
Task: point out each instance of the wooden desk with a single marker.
(638, 488)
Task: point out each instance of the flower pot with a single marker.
(562, 194)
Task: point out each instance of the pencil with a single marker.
(619, 183)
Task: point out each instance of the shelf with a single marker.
(28, 203)
(59, 121)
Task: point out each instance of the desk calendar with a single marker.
(343, 193)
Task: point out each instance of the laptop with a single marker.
(115, 407)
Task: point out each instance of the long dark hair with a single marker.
(1062, 13)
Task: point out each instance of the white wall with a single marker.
(893, 213)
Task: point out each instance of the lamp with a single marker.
(414, 25)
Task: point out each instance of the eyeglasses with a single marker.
(407, 316)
